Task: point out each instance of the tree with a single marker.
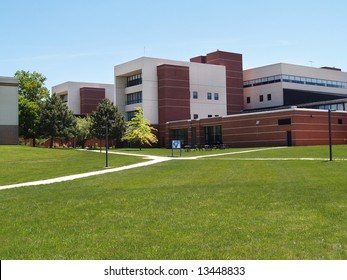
(31, 92)
(31, 85)
(108, 112)
(56, 120)
(29, 114)
(83, 130)
(139, 130)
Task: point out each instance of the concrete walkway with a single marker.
(87, 174)
(152, 160)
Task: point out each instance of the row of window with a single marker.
(209, 95)
(212, 135)
(336, 107)
(134, 80)
(134, 98)
(294, 79)
(196, 116)
(261, 98)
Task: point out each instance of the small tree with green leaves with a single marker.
(83, 130)
(108, 112)
(139, 130)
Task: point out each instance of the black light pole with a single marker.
(330, 140)
(106, 144)
(107, 123)
(100, 138)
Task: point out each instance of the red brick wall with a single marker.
(234, 76)
(8, 134)
(173, 95)
(90, 99)
(307, 127)
(311, 127)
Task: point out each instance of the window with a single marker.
(196, 116)
(180, 134)
(63, 97)
(133, 98)
(294, 79)
(134, 80)
(209, 96)
(248, 100)
(216, 96)
(195, 95)
(284, 121)
(261, 98)
(209, 116)
(339, 121)
(269, 97)
(130, 115)
(213, 135)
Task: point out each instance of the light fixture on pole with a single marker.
(330, 136)
(107, 123)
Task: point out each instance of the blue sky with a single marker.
(78, 40)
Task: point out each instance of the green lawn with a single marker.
(339, 151)
(20, 164)
(210, 208)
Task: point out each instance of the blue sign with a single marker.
(176, 144)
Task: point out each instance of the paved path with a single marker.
(152, 160)
(87, 174)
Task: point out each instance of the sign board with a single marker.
(176, 144)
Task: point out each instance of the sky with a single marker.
(82, 40)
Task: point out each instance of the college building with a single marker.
(168, 90)
(210, 100)
(8, 110)
(83, 98)
(282, 84)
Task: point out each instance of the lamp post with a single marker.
(107, 123)
(106, 144)
(330, 135)
(100, 138)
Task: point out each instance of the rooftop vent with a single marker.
(331, 68)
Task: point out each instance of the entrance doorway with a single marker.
(289, 138)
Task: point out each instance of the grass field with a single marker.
(209, 208)
(24, 164)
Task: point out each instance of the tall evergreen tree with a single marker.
(139, 130)
(56, 120)
(107, 112)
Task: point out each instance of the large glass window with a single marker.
(180, 134)
(213, 135)
(134, 80)
(133, 98)
(336, 107)
(294, 79)
(130, 115)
